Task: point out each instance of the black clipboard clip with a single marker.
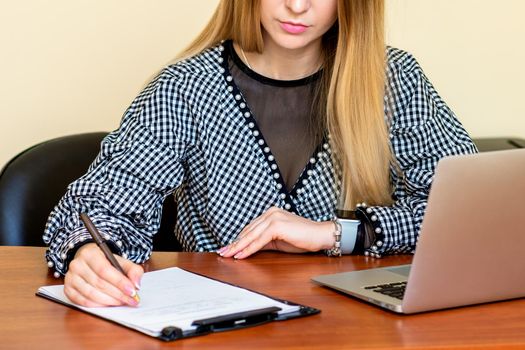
(223, 323)
(236, 321)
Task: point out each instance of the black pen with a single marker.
(104, 247)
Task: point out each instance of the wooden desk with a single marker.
(30, 322)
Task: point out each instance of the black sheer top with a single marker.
(284, 111)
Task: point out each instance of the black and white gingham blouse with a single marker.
(191, 133)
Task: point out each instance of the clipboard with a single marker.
(272, 309)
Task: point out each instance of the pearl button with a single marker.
(271, 158)
(237, 97)
(312, 160)
(106, 237)
(255, 133)
(230, 88)
(282, 195)
(229, 78)
(279, 186)
(71, 246)
(274, 166)
(56, 274)
(246, 114)
(82, 239)
(379, 243)
(309, 172)
(261, 142)
(276, 176)
(319, 155)
(378, 230)
(367, 253)
(222, 70)
(50, 264)
(369, 210)
(119, 243)
(266, 149)
(325, 146)
(305, 182)
(220, 59)
(287, 206)
(251, 125)
(243, 105)
(373, 218)
(63, 256)
(221, 48)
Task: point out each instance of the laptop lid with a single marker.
(470, 249)
(470, 242)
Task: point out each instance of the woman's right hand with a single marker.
(92, 281)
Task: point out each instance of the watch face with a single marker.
(346, 214)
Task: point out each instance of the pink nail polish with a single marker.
(135, 301)
(130, 291)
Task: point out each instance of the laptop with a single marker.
(471, 244)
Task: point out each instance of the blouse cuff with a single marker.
(374, 236)
(62, 251)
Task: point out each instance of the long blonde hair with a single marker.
(352, 87)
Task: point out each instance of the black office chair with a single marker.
(32, 183)
(498, 143)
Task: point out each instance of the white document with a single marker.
(175, 297)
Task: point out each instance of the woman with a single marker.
(277, 114)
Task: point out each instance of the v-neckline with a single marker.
(256, 135)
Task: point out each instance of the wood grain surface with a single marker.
(31, 322)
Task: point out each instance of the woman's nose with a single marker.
(298, 6)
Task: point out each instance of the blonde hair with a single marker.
(352, 88)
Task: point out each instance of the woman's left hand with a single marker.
(278, 229)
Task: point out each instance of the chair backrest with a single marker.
(32, 183)
(498, 143)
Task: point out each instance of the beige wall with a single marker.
(74, 66)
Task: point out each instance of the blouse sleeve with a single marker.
(138, 166)
(422, 131)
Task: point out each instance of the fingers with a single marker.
(91, 280)
(232, 248)
(281, 230)
(258, 242)
(255, 236)
(81, 292)
(133, 271)
(248, 243)
(78, 298)
(106, 279)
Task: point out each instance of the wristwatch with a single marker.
(346, 233)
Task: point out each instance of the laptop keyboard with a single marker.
(394, 290)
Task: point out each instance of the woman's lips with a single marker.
(293, 28)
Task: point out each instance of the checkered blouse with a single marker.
(191, 133)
